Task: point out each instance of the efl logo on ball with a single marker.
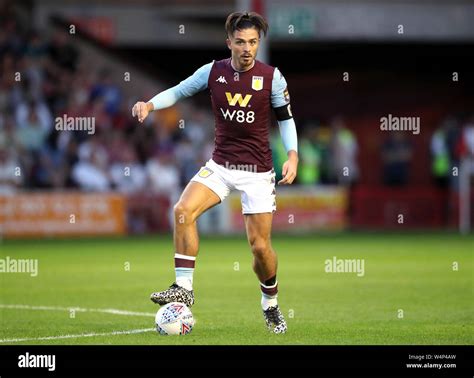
(174, 318)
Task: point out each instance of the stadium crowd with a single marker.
(44, 78)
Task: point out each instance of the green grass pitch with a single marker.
(409, 272)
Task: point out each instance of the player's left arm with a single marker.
(281, 105)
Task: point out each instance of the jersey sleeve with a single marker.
(195, 83)
(280, 96)
(280, 99)
(288, 134)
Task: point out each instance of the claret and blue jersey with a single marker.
(242, 103)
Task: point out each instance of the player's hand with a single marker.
(290, 167)
(141, 110)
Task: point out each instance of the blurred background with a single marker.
(348, 64)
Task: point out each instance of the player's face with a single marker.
(244, 46)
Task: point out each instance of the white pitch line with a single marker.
(77, 309)
(92, 334)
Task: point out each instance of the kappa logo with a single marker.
(221, 79)
(238, 98)
(205, 172)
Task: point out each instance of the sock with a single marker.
(269, 293)
(184, 268)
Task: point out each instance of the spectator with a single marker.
(50, 170)
(36, 48)
(309, 158)
(127, 174)
(8, 132)
(93, 145)
(41, 111)
(465, 152)
(91, 173)
(465, 145)
(440, 153)
(115, 145)
(196, 127)
(97, 110)
(397, 153)
(323, 144)
(108, 91)
(185, 154)
(31, 135)
(344, 149)
(163, 174)
(10, 171)
(453, 135)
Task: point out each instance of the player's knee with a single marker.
(183, 213)
(260, 247)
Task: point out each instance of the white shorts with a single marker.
(257, 189)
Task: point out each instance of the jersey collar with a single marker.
(235, 69)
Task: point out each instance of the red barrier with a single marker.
(148, 213)
(400, 208)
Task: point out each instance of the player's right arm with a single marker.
(193, 84)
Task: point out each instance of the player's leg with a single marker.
(194, 201)
(206, 189)
(265, 264)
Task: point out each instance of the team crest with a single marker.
(205, 172)
(257, 83)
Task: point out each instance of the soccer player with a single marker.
(243, 91)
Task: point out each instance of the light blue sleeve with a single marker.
(280, 96)
(195, 83)
(288, 134)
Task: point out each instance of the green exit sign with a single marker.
(290, 22)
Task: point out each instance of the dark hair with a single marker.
(245, 20)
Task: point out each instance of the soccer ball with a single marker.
(174, 318)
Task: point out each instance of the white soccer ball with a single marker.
(174, 318)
